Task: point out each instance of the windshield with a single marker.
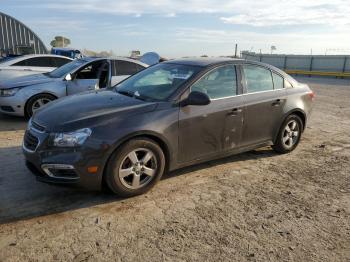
(157, 82)
(65, 69)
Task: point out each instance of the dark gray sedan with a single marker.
(168, 116)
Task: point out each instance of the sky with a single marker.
(176, 28)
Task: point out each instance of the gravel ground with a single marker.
(257, 206)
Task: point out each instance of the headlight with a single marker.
(71, 139)
(8, 92)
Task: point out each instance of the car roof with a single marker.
(207, 62)
(24, 57)
(91, 58)
(203, 61)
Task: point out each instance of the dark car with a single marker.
(174, 114)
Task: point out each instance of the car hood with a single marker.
(24, 81)
(88, 109)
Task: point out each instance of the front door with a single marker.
(87, 78)
(208, 130)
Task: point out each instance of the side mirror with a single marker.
(196, 98)
(68, 77)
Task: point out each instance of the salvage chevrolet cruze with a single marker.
(171, 115)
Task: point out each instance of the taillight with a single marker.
(311, 95)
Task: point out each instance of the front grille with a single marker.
(37, 126)
(30, 142)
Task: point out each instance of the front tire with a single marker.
(36, 102)
(135, 168)
(289, 135)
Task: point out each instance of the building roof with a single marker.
(15, 35)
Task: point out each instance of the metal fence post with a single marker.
(285, 63)
(311, 64)
(344, 65)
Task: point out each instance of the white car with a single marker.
(23, 95)
(30, 64)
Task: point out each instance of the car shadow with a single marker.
(12, 123)
(22, 197)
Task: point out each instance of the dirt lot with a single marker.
(256, 206)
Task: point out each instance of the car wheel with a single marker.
(36, 102)
(289, 135)
(135, 168)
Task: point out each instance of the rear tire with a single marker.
(36, 102)
(289, 135)
(135, 167)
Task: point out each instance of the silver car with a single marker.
(22, 96)
(30, 65)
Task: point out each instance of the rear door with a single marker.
(264, 100)
(208, 130)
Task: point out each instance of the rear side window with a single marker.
(59, 61)
(218, 83)
(278, 81)
(122, 68)
(287, 84)
(36, 62)
(257, 78)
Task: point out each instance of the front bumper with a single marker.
(65, 166)
(12, 105)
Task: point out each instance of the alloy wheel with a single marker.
(39, 103)
(291, 134)
(138, 168)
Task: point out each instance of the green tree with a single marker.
(60, 41)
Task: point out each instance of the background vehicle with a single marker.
(171, 115)
(68, 52)
(24, 95)
(30, 65)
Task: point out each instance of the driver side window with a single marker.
(218, 83)
(91, 71)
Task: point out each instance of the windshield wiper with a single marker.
(134, 95)
(47, 74)
(126, 93)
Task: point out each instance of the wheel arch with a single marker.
(157, 138)
(299, 112)
(37, 94)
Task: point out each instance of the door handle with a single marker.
(235, 111)
(277, 102)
